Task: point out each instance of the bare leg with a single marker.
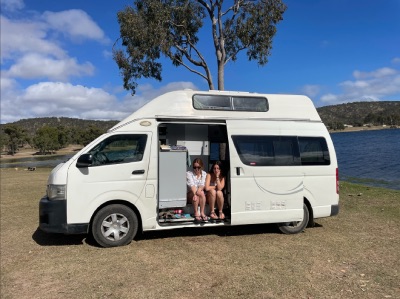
(220, 204)
(195, 203)
(202, 202)
(211, 197)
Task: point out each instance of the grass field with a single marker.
(353, 255)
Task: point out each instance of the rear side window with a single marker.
(232, 103)
(267, 150)
(314, 151)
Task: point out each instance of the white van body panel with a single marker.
(255, 194)
(179, 105)
(262, 194)
(89, 188)
(58, 176)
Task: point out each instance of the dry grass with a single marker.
(353, 255)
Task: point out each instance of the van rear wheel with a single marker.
(114, 225)
(295, 227)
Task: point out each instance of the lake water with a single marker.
(366, 157)
(42, 161)
(369, 157)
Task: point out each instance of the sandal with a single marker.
(213, 216)
(221, 215)
(197, 218)
(205, 218)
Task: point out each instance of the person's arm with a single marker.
(191, 185)
(202, 183)
(219, 183)
(190, 182)
(207, 187)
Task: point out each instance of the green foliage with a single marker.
(382, 118)
(51, 134)
(63, 136)
(89, 134)
(335, 126)
(46, 140)
(16, 137)
(151, 29)
(4, 140)
(360, 113)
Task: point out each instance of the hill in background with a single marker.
(362, 113)
(31, 125)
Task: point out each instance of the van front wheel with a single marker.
(114, 225)
(295, 227)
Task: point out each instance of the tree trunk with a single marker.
(221, 69)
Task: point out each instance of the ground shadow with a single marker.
(221, 231)
(49, 239)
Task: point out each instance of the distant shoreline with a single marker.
(358, 129)
(29, 152)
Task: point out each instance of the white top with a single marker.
(193, 180)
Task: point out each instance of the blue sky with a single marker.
(56, 58)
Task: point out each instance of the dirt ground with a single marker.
(353, 255)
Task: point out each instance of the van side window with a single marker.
(232, 103)
(267, 150)
(314, 151)
(122, 148)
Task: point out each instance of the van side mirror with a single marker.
(84, 160)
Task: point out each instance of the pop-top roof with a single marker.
(179, 105)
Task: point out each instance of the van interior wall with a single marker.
(207, 142)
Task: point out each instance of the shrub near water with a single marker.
(353, 255)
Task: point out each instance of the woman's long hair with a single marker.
(220, 165)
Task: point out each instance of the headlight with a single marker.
(56, 192)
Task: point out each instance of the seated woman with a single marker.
(195, 181)
(215, 182)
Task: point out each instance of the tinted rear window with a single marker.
(282, 150)
(267, 150)
(314, 151)
(232, 103)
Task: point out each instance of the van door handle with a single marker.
(138, 171)
(237, 170)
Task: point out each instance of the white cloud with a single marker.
(375, 85)
(12, 5)
(74, 23)
(47, 99)
(311, 90)
(34, 65)
(21, 37)
(379, 73)
(147, 92)
(396, 60)
(35, 48)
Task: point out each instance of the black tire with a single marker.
(295, 226)
(114, 225)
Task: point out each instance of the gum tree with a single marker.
(17, 137)
(155, 29)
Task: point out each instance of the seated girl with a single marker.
(215, 182)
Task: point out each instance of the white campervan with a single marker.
(279, 161)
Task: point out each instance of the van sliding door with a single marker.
(266, 175)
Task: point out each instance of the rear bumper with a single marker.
(53, 218)
(334, 210)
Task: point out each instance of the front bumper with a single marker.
(53, 218)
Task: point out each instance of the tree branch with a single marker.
(180, 61)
